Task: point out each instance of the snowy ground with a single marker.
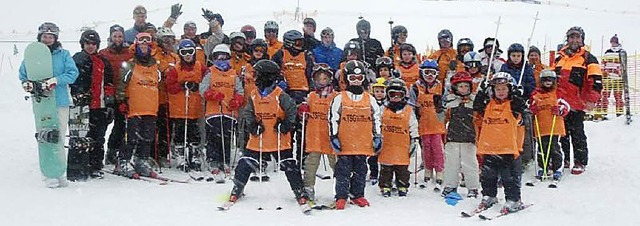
(604, 195)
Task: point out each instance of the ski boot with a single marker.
(373, 179)
(300, 196)
(361, 202)
(448, 190)
(59, 182)
(402, 191)
(487, 202)
(511, 206)
(111, 157)
(341, 203)
(557, 175)
(578, 169)
(472, 193)
(310, 193)
(236, 193)
(386, 192)
(124, 168)
(143, 168)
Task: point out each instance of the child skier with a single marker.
(473, 65)
(379, 93)
(549, 111)
(408, 67)
(400, 130)
(224, 94)
(460, 149)
(426, 95)
(315, 111)
(501, 108)
(183, 85)
(270, 115)
(384, 67)
(354, 120)
(137, 94)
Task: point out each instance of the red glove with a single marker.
(212, 95)
(303, 109)
(562, 109)
(534, 109)
(123, 108)
(236, 102)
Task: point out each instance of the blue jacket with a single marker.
(528, 82)
(130, 35)
(64, 70)
(330, 55)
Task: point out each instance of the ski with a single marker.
(166, 179)
(533, 183)
(553, 184)
(226, 206)
(323, 177)
(196, 177)
(625, 78)
(317, 206)
(504, 213)
(306, 209)
(473, 212)
(147, 179)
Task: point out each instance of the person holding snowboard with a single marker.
(93, 88)
(65, 72)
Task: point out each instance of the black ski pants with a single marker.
(351, 176)
(505, 167)
(574, 125)
(249, 164)
(140, 133)
(551, 154)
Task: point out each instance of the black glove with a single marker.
(282, 127)
(207, 14)
(518, 90)
(176, 10)
(257, 128)
(191, 86)
(452, 65)
(110, 101)
(110, 114)
(81, 99)
(437, 102)
(395, 73)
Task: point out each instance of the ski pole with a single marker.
(493, 46)
(224, 153)
(302, 140)
(546, 161)
(391, 32)
(535, 117)
(415, 169)
(275, 168)
(524, 60)
(186, 112)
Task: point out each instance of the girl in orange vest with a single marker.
(460, 149)
(400, 130)
(354, 129)
(547, 106)
(384, 67)
(183, 84)
(224, 94)
(409, 67)
(501, 108)
(138, 97)
(315, 111)
(269, 116)
(426, 95)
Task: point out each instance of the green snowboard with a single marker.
(38, 63)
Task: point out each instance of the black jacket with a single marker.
(372, 50)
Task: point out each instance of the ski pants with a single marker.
(249, 163)
(351, 176)
(63, 119)
(162, 136)
(193, 132)
(219, 130)
(549, 154)
(373, 166)
(312, 163)
(296, 138)
(574, 125)
(505, 167)
(116, 138)
(432, 152)
(400, 171)
(140, 133)
(528, 147)
(461, 157)
(98, 122)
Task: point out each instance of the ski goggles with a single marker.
(221, 56)
(398, 94)
(187, 51)
(143, 38)
(249, 34)
(547, 79)
(270, 31)
(355, 77)
(472, 64)
(428, 72)
(321, 66)
(259, 49)
(383, 61)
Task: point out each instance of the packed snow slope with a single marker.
(604, 195)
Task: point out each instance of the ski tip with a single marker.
(465, 214)
(483, 217)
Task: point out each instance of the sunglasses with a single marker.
(270, 31)
(259, 49)
(355, 77)
(395, 94)
(383, 60)
(428, 71)
(187, 51)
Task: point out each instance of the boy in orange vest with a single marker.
(224, 94)
(426, 95)
(270, 115)
(315, 111)
(378, 91)
(501, 108)
(400, 130)
(137, 94)
(183, 83)
(409, 67)
(549, 111)
(354, 128)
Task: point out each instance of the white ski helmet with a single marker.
(164, 32)
(221, 48)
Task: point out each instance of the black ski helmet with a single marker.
(364, 26)
(396, 31)
(354, 67)
(352, 47)
(445, 34)
(515, 47)
(48, 28)
(310, 21)
(266, 72)
(290, 37)
(89, 36)
(396, 84)
(258, 42)
(465, 41)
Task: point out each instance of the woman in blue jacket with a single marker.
(65, 72)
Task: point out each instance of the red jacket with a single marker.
(579, 78)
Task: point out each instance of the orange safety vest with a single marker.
(142, 90)
(273, 47)
(356, 126)
(444, 58)
(268, 110)
(225, 83)
(164, 62)
(395, 130)
(249, 81)
(544, 117)
(499, 134)
(428, 121)
(177, 101)
(293, 70)
(411, 74)
(317, 128)
(238, 60)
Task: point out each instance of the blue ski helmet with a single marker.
(186, 43)
(432, 64)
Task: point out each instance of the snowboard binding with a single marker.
(49, 135)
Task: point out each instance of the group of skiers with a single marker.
(472, 114)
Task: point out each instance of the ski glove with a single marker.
(81, 99)
(452, 65)
(176, 11)
(562, 109)
(191, 86)
(27, 86)
(303, 109)
(123, 108)
(207, 14)
(518, 90)
(258, 128)
(283, 85)
(377, 144)
(50, 84)
(335, 144)
(281, 126)
(212, 95)
(452, 198)
(236, 102)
